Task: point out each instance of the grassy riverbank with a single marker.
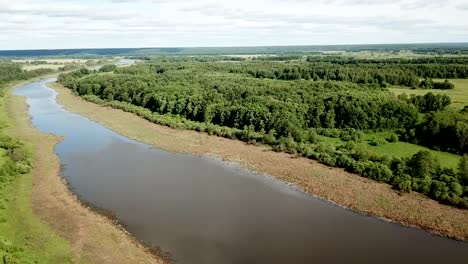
(44, 219)
(333, 184)
(24, 237)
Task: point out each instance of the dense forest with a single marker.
(292, 105)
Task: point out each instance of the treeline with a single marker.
(380, 75)
(278, 58)
(233, 101)
(361, 74)
(419, 60)
(405, 75)
(11, 72)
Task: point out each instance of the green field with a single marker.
(398, 149)
(406, 150)
(459, 95)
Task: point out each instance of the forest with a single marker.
(297, 106)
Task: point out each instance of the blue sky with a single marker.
(47, 24)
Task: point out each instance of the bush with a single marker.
(378, 172)
(422, 185)
(345, 161)
(286, 144)
(270, 138)
(403, 183)
(352, 135)
(108, 68)
(446, 85)
(17, 154)
(360, 153)
(327, 159)
(329, 132)
(377, 141)
(439, 190)
(312, 136)
(393, 138)
(22, 168)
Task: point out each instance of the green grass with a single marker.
(403, 149)
(459, 95)
(24, 238)
(331, 141)
(397, 149)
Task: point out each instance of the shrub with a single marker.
(270, 138)
(312, 136)
(22, 168)
(286, 144)
(360, 153)
(108, 68)
(422, 185)
(439, 190)
(403, 183)
(345, 161)
(352, 135)
(378, 172)
(377, 141)
(327, 159)
(393, 138)
(17, 154)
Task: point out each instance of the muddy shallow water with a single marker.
(202, 210)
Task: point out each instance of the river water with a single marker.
(202, 210)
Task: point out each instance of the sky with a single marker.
(56, 24)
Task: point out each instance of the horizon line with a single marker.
(249, 46)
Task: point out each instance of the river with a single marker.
(202, 210)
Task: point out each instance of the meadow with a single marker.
(459, 95)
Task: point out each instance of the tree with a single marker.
(463, 170)
(423, 164)
(426, 84)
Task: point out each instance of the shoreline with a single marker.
(94, 237)
(343, 189)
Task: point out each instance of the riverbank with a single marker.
(348, 190)
(92, 238)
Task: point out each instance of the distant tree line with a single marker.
(11, 72)
(418, 60)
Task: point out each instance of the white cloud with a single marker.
(30, 24)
